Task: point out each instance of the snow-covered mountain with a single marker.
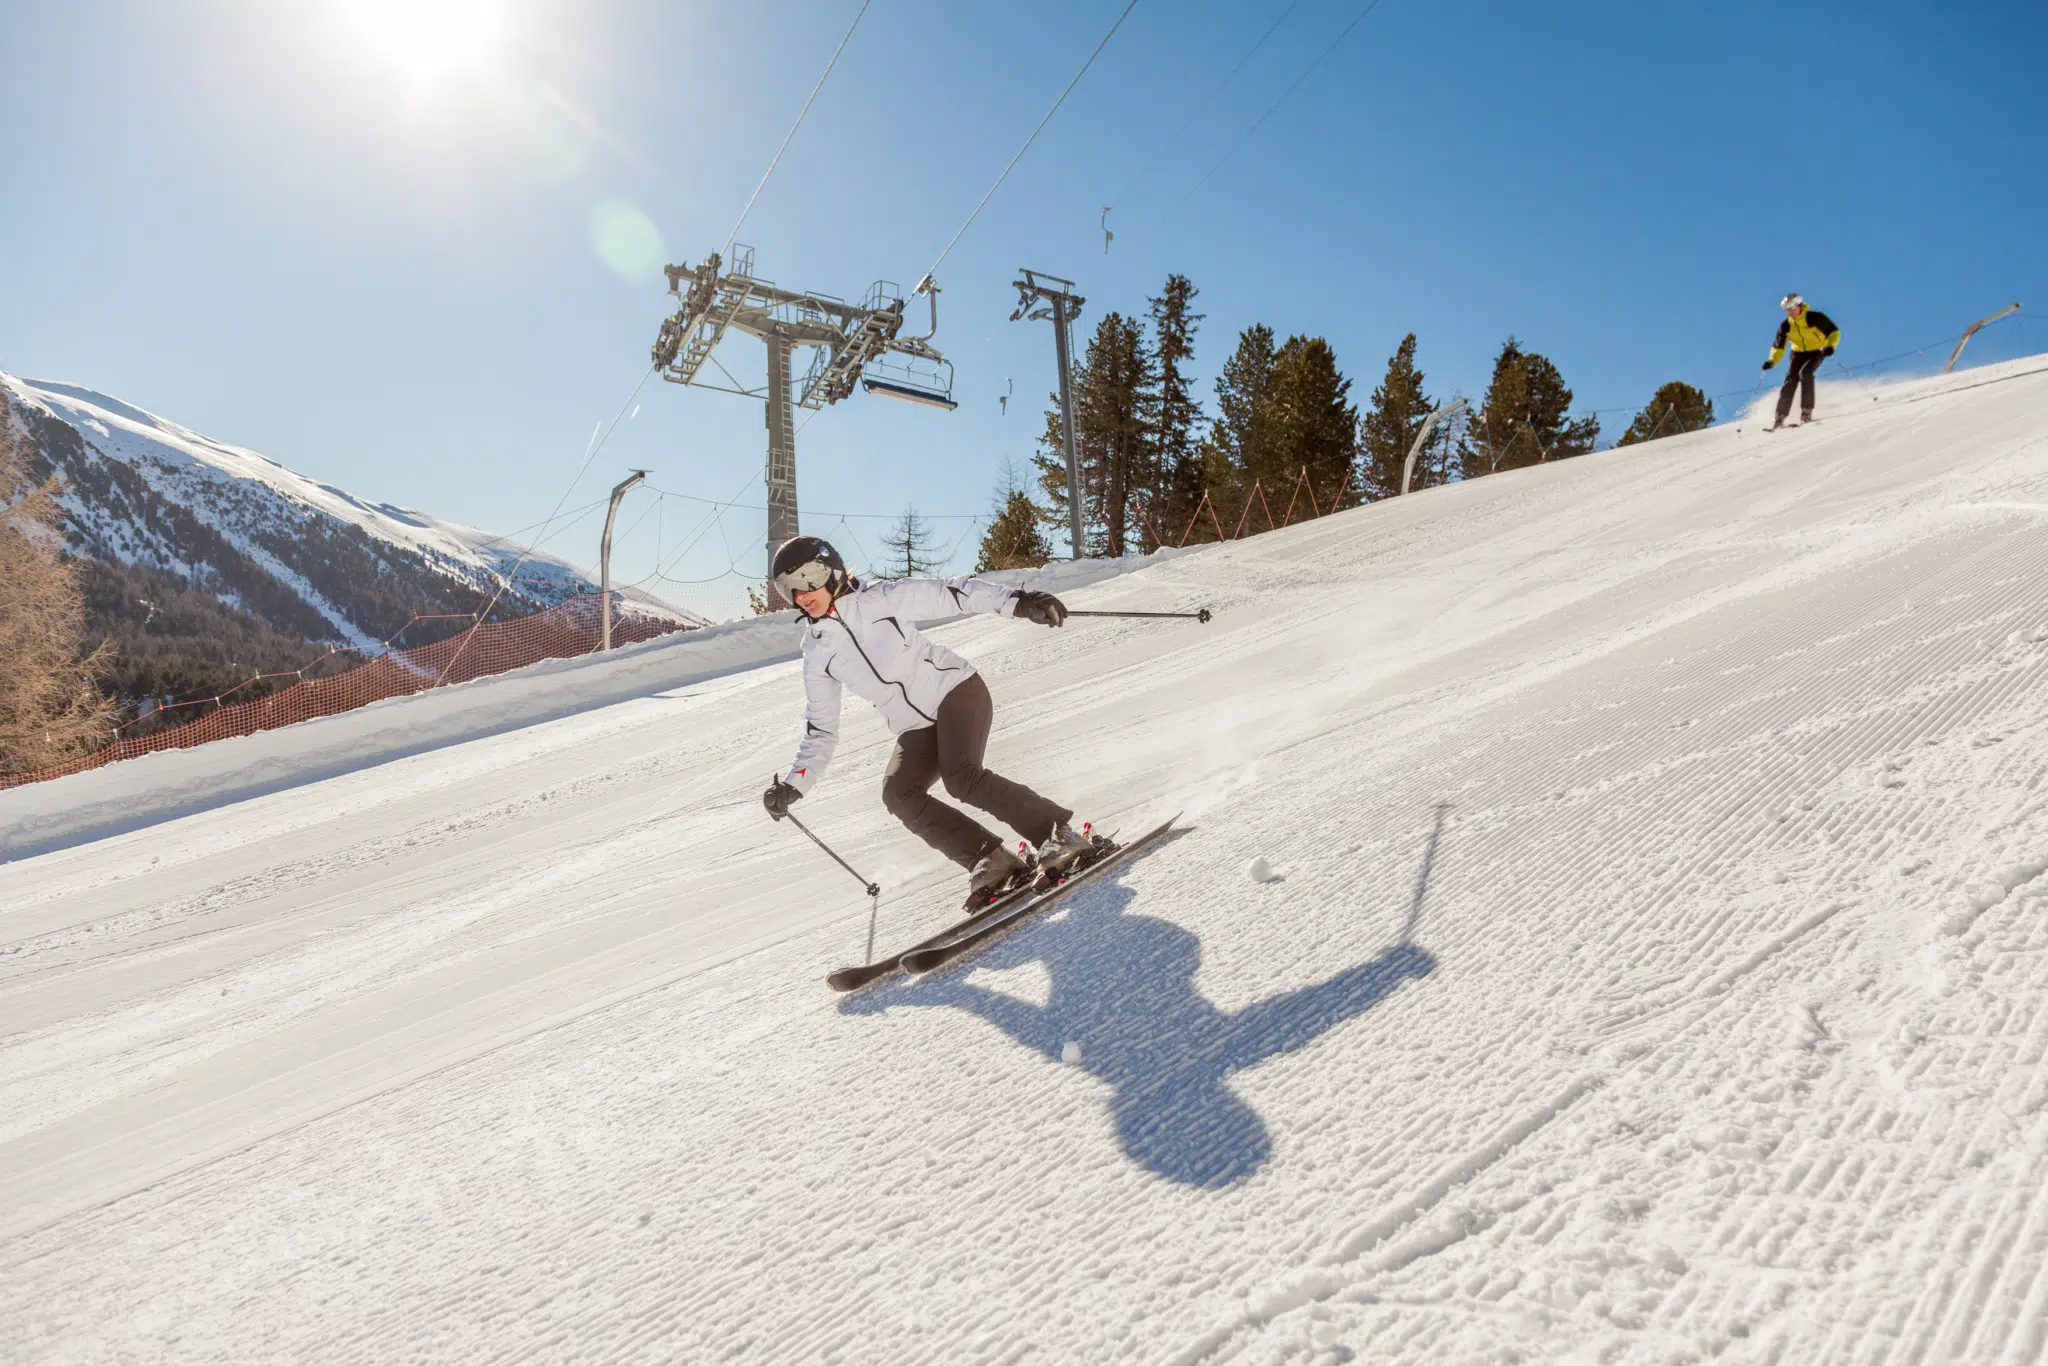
(1650, 967)
(306, 558)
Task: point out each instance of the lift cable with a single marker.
(777, 161)
(1230, 76)
(1246, 137)
(1033, 138)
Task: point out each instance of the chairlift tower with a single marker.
(852, 345)
(1037, 299)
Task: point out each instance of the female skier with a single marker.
(865, 637)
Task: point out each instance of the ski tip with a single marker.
(850, 979)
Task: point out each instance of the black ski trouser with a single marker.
(952, 750)
(1799, 375)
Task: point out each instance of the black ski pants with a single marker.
(1799, 375)
(952, 750)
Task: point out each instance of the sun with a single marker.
(428, 41)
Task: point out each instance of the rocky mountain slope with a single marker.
(209, 562)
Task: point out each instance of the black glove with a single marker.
(778, 797)
(1827, 352)
(1043, 608)
(1769, 363)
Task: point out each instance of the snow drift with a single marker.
(1649, 964)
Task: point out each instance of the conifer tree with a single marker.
(1677, 407)
(1241, 436)
(1399, 408)
(1015, 538)
(909, 548)
(1525, 416)
(1176, 415)
(1112, 445)
(1315, 429)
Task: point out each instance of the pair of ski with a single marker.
(999, 916)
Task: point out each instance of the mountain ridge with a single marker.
(296, 565)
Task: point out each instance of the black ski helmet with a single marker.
(804, 563)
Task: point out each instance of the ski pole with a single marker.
(873, 889)
(1202, 615)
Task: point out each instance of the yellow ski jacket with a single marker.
(1811, 330)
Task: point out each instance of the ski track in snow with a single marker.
(1655, 970)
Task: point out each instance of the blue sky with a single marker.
(262, 220)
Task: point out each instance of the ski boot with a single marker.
(1067, 851)
(1806, 417)
(997, 872)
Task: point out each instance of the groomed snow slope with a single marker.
(1657, 971)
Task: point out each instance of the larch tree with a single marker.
(909, 548)
(51, 707)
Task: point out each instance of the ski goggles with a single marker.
(805, 578)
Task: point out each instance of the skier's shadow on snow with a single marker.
(1122, 987)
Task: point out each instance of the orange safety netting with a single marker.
(565, 630)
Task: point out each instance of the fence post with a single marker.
(1145, 515)
(1196, 516)
(1296, 497)
(1245, 516)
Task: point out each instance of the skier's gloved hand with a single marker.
(778, 797)
(1043, 608)
(1827, 351)
(1769, 363)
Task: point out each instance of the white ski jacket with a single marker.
(869, 642)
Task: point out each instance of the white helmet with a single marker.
(1790, 302)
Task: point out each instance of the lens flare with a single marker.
(429, 40)
(627, 241)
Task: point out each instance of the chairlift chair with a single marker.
(930, 398)
(933, 388)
